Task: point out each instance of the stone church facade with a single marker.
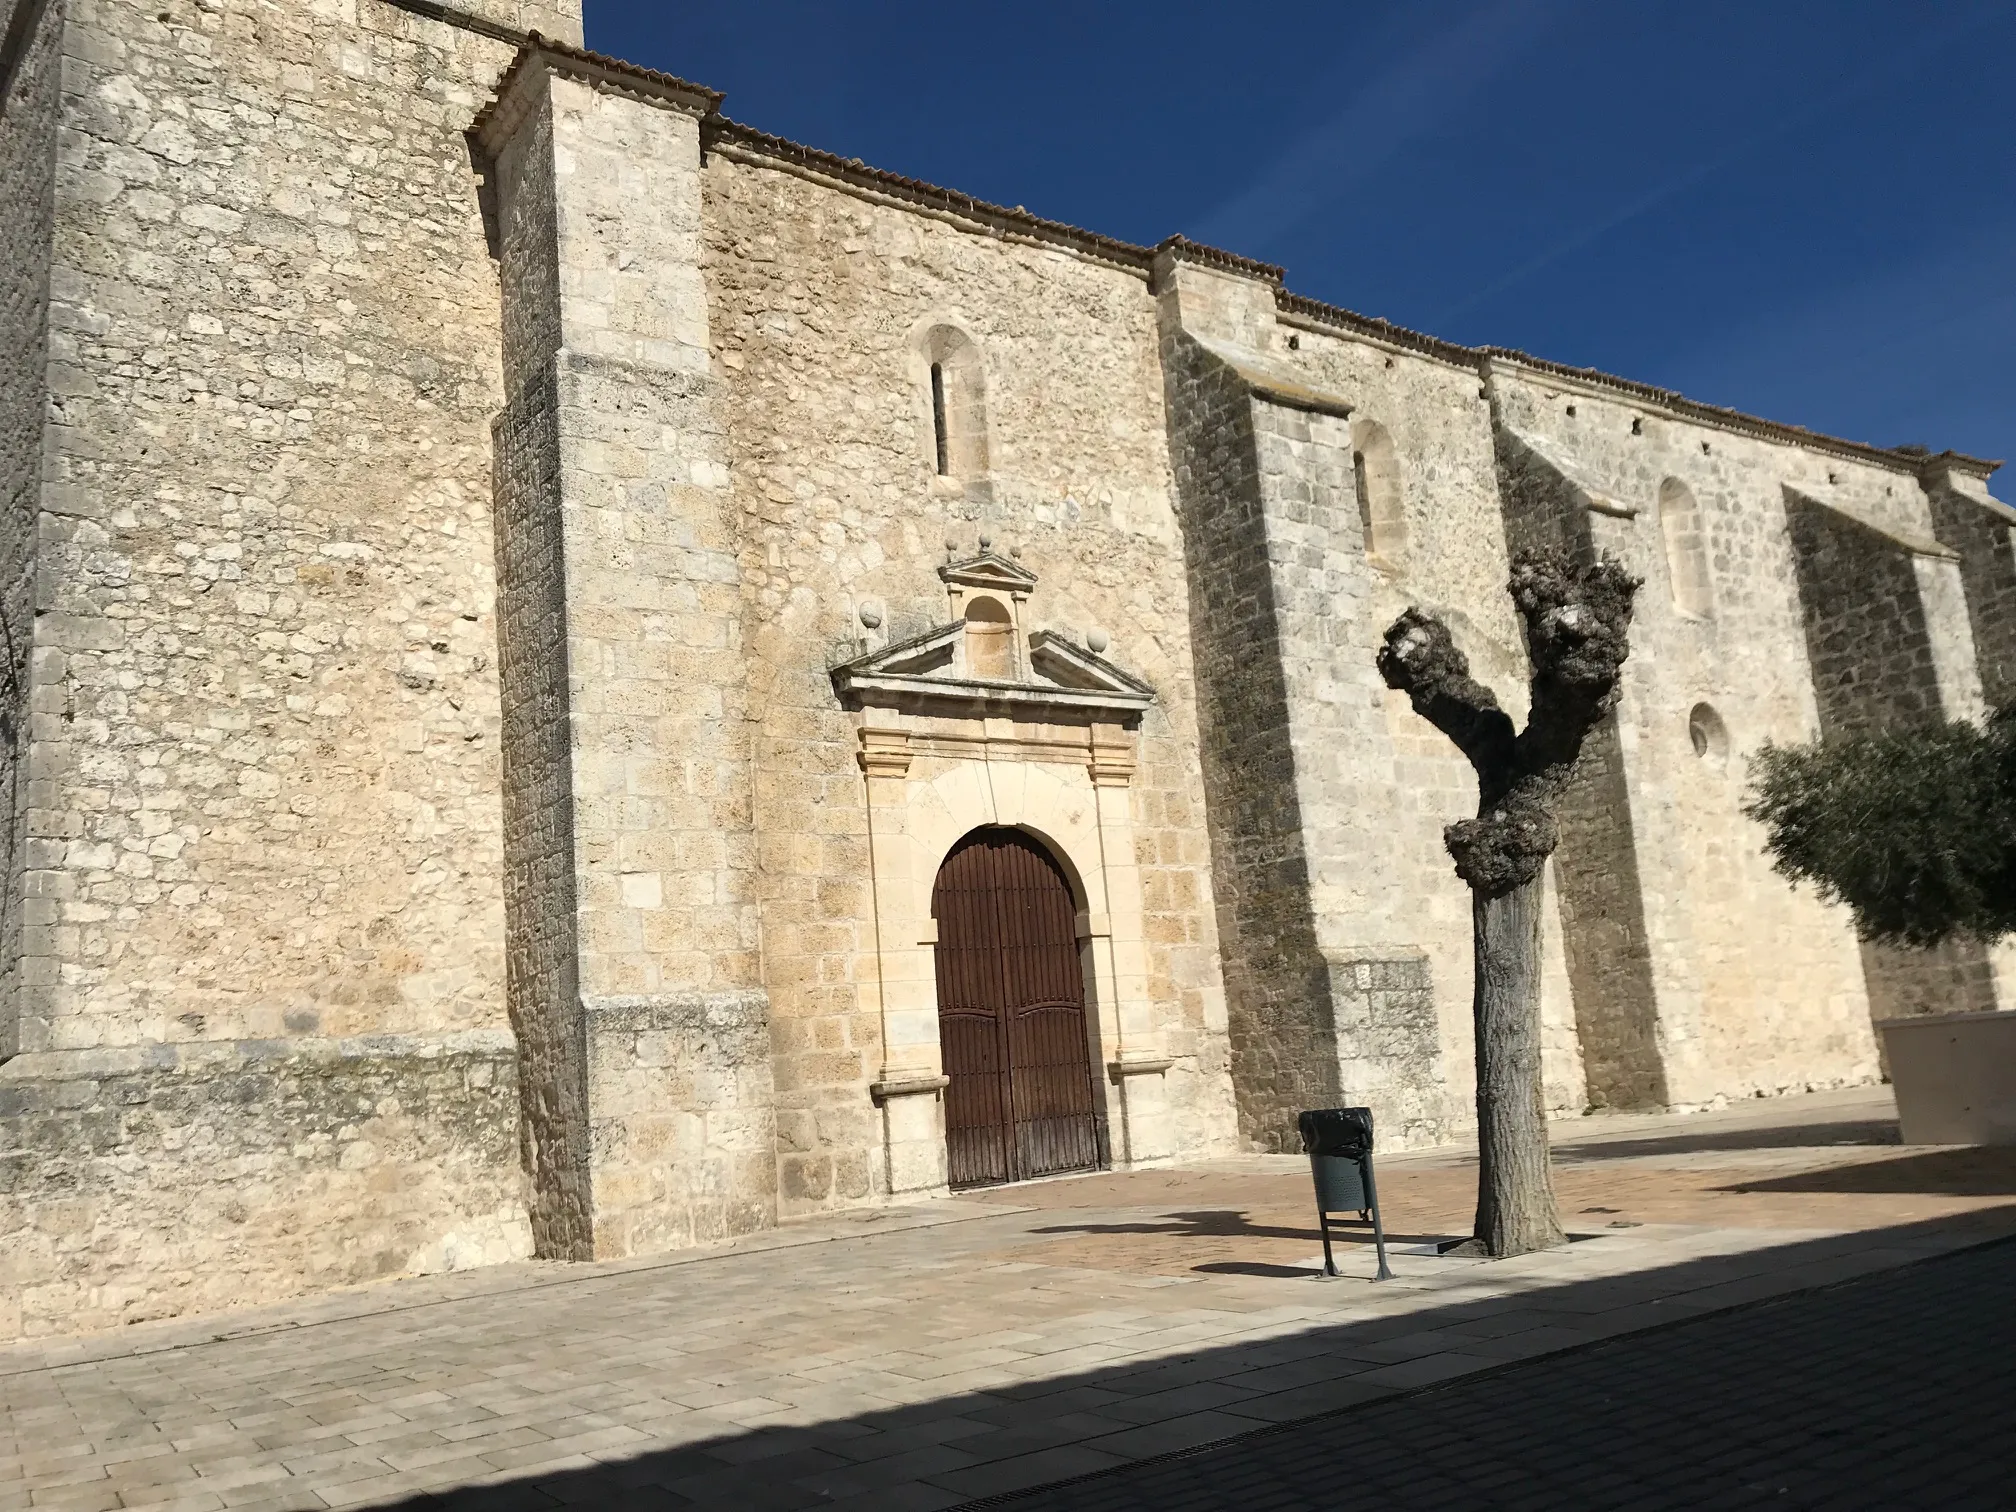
(517, 588)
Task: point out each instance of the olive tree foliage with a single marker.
(1577, 619)
(1913, 829)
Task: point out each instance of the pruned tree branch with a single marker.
(1577, 622)
(1422, 660)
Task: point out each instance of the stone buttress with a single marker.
(632, 960)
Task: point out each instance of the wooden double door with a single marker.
(1011, 1014)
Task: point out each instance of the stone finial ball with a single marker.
(1097, 641)
(870, 612)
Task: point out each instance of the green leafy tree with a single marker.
(1913, 829)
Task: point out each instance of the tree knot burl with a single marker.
(1577, 620)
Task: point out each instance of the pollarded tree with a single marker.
(1914, 829)
(1577, 620)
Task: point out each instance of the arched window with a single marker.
(1686, 549)
(955, 385)
(1375, 468)
(990, 640)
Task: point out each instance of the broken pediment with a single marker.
(933, 670)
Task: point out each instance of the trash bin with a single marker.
(1339, 1142)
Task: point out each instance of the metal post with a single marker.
(1329, 1264)
(1378, 1228)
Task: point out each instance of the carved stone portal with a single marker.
(979, 722)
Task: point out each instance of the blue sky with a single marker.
(1803, 210)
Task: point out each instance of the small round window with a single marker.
(1709, 735)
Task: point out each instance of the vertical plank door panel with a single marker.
(1011, 1014)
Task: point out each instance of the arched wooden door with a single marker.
(1011, 1014)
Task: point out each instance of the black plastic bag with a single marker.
(1337, 1131)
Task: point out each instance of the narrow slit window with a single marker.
(1364, 495)
(938, 418)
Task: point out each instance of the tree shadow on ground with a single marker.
(1814, 1136)
(950, 1449)
(1986, 1172)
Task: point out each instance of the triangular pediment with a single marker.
(989, 570)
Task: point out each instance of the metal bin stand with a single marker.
(1339, 1142)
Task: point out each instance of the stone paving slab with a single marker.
(1896, 1390)
(911, 1359)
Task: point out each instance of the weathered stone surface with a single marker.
(424, 560)
(154, 1180)
(28, 190)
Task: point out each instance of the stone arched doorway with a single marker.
(1019, 1099)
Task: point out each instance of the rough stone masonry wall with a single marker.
(542, 977)
(1280, 1012)
(151, 1181)
(266, 763)
(1755, 985)
(1983, 532)
(1876, 667)
(28, 121)
(1609, 959)
(1386, 884)
(818, 300)
(274, 756)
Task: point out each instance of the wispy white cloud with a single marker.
(1384, 110)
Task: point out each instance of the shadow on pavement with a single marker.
(1812, 1136)
(948, 1450)
(1942, 1172)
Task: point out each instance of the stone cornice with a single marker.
(1933, 466)
(1680, 407)
(909, 674)
(1000, 220)
(1181, 249)
(496, 121)
(1301, 309)
(719, 133)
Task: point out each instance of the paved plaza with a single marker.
(1894, 1391)
(928, 1356)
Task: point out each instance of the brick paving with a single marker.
(1893, 1391)
(919, 1358)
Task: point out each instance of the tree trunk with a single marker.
(1515, 1189)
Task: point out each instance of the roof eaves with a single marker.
(1736, 421)
(598, 70)
(1378, 329)
(604, 72)
(719, 130)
